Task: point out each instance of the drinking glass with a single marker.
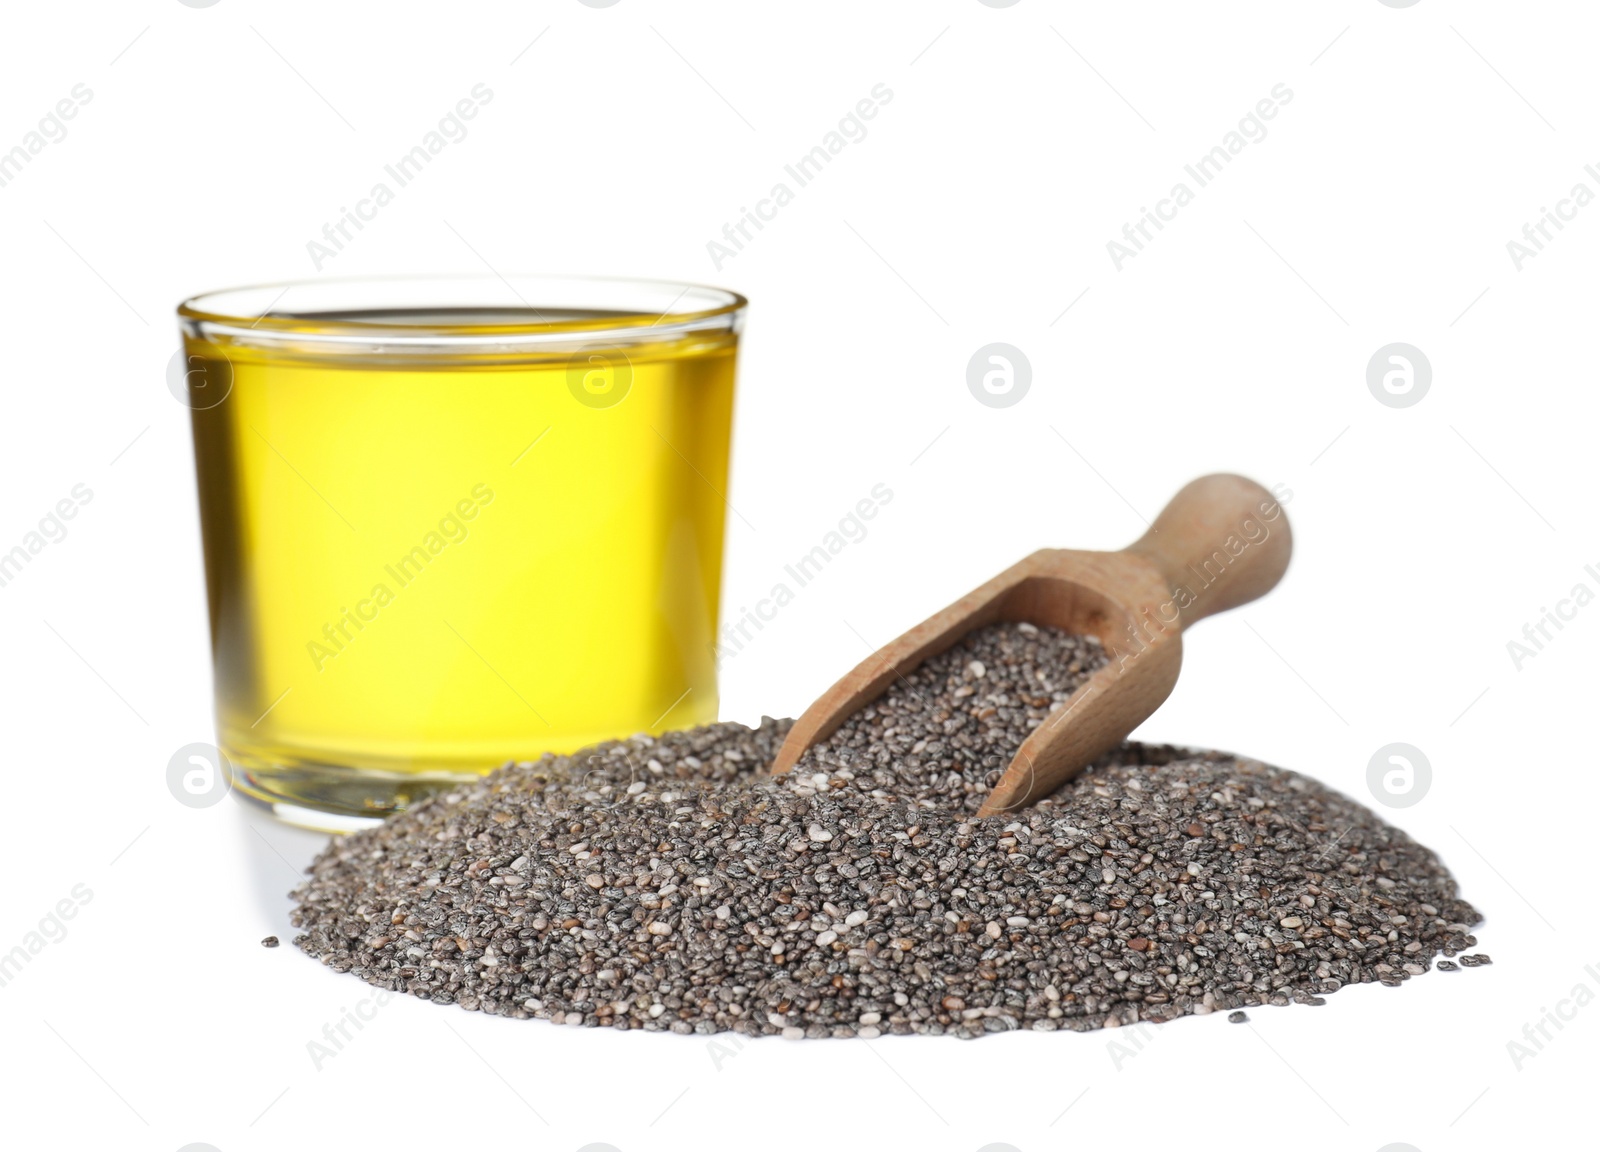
(454, 521)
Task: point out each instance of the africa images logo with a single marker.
(999, 375)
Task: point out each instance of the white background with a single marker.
(977, 209)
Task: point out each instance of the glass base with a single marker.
(327, 798)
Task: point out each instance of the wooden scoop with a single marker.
(1222, 541)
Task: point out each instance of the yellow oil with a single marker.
(418, 571)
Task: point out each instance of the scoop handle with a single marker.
(1222, 541)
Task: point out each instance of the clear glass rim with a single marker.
(291, 314)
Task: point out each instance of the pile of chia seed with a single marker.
(670, 883)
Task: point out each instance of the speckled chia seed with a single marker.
(670, 883)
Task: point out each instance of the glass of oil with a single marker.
(454, 521)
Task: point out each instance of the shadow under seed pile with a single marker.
(669, 883)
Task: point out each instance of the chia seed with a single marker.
(670, 883)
